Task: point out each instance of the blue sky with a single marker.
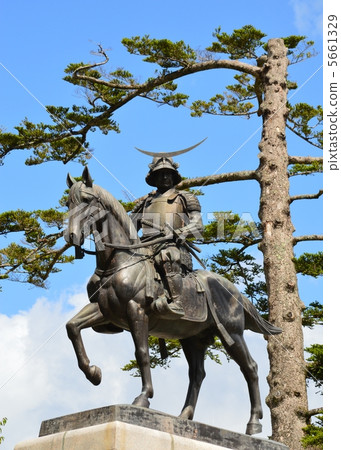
(40, 40)
(45, 40)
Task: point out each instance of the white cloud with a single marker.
(40, 378)
(308, 16)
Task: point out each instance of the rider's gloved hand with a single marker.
(180, 239)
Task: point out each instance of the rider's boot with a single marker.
(174, 282)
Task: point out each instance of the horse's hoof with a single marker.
(187, 413)
(253, 428)
(141, 400)
(94, 375)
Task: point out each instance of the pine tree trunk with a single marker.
(287, 396)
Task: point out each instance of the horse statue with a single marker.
(122, 290)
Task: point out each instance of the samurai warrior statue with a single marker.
(169, 211)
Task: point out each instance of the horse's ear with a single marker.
(86, 177)
(70, 180)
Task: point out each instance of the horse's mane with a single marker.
(109, 202)
(115, 207)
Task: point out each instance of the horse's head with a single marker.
(85, 209)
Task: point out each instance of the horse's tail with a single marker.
(255, 322)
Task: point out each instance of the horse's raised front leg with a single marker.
(194, 350)
(89, 316)
(138, 324)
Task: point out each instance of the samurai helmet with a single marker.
(162, 163)
(164, 160)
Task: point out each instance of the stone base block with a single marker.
(114, 436)
(127, 427)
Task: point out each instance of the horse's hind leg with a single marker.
(89, 316)
(241, 355)
(194, 350)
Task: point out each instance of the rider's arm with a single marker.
(194, 226)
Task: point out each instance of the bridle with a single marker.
(80, 252)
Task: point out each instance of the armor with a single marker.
(162, 209)
(173, 210)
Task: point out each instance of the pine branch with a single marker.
(102, 52)
(134, 89)
(171, 76)
(218, 178)
(229, 241)
(311, 237)
(306, 196)
(313, 412)
(305, 165)
(305, 159)
(305, 138)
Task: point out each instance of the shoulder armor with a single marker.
(191, 201)
(140, 204)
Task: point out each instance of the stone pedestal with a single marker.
(127, 427)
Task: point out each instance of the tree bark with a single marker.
(217, 178)
(287, 398)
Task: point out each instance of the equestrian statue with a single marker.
(146, 285)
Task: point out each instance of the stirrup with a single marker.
(176, 307)
(167, 310)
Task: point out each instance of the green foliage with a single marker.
(291, 42)
(242, 43)
(313, 315)
(315, 364)
(66, 139)
(313, 432)
(234, 263)
(306, 121)
(224, 105)
(128, 206)
(173, 350)
(215, 350)
(313, 438)
(306, 169)
(221, 228)
(229, 227)
(298, 48)
(99, 90)
(173, 346)
(310, 264)
(35, 257)
(2, 423)
(164, 94)
(238, 100)
(71, 68)
(58, 141)
(165, 53)
(243, 270)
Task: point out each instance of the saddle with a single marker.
(193, 298)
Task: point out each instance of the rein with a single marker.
(79, 251)
(141, 244)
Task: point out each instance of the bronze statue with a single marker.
(124, 287)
